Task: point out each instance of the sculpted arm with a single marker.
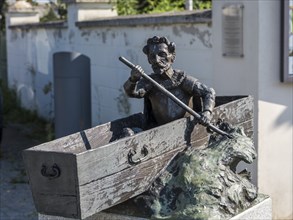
(132, 91)
(135, 86)
(207, 95)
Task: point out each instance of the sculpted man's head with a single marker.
(161, 54)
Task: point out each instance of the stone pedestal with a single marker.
(260, 211)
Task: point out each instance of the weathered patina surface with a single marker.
(95, 171)
(94, 168)
(202, 183)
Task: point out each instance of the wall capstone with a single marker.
(85, 10)
(21, 12)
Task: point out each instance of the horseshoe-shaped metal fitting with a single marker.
(51, 173)
(131, 153)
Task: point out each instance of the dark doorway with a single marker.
(72, 93)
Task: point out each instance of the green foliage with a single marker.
(13, 113)
(127, 7)
(51, 16)
(62, 11)
(202, 4)
(158, 6)
(3, 7)
(131, 7)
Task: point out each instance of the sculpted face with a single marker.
(160, 58)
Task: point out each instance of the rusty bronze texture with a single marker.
(175, 99)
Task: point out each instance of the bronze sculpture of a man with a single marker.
(159, 109)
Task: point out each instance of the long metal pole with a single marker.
(174, 98)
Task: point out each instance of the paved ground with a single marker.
(15, 196)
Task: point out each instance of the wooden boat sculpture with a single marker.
(84, 173)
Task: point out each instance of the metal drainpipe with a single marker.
(189, 5)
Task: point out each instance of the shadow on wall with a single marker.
(279, 102)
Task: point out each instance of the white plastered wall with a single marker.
(258, 74)
(30, 62)
(275, 139)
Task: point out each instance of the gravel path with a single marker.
(15, 196)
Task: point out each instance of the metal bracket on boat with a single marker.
(131, 153)
(51, 173)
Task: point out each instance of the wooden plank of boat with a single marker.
(87, 172)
